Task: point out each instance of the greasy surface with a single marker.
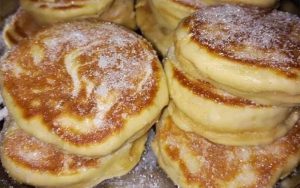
(254, 36)
(98, 73)
(205, 164)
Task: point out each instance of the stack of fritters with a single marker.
(158, 19)
(81, 98)
(233, 76)
(33, 15)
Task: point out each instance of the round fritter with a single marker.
(87, 87)
(169, 13)
(222, 117)
(161, 38)
(250, 52)
(49, 11)
(29, 160)
(192, 161)
(158, 19)
(23, 24)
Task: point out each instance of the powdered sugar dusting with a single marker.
(90, 67)
(37, 155)
(55, 45)
(227, 165)
(268, 38)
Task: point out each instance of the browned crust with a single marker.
(264, 162)
(82, 106)
(18, 145)
(284, 26)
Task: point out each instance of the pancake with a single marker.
(87, 87)
(158, 19)
(250, 52)
(30, 161)
(49, 11)
(192, 161)
(23, 25)
(229, 136)
(169, 13)
(161, 38)
(216, 114)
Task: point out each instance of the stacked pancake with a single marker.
(233, 77)
(82, 97)
(158, 19)
(34, 14)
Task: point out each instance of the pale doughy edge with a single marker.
(112, 165)
(48, 15)
(259, 84)
(218, 116)
(237, 138)
(161, 39)
(169, 13)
